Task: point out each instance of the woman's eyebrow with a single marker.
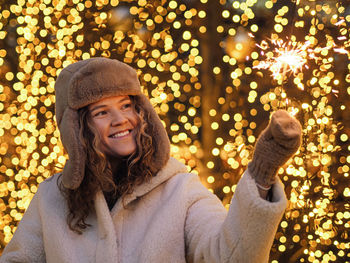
(103, 105)
(97, 107)
(125, 99)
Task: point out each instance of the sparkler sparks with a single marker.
(290, 57)
(286, 57)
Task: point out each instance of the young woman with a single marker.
(121, 198)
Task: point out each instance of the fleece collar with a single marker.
(171, 168)
(104, 218)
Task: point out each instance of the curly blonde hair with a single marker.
(132, 171)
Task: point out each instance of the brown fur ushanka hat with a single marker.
(86, 82)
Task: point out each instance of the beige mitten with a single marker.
(276, 144)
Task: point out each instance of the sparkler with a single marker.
(285, 57)
(290, 57)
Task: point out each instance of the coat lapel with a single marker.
(106, 250)
(172, 168)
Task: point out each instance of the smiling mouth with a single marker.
(120, 134)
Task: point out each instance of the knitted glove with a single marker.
(276, 144)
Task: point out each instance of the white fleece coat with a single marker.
(173, 218)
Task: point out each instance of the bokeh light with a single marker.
(197, 61)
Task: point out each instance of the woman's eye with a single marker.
(126, 106)
(100, 113)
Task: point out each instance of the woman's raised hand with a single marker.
(275, 145)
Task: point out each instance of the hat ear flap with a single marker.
(74, 169)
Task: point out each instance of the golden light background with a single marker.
(197, 61)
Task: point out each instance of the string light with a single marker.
(199, 63)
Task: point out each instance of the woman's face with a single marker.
(115, 120)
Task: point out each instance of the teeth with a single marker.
(120, 134)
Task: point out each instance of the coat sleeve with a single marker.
(26, 244)
(243, 234)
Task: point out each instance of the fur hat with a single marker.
(86, 82)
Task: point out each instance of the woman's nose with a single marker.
(118, 118)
